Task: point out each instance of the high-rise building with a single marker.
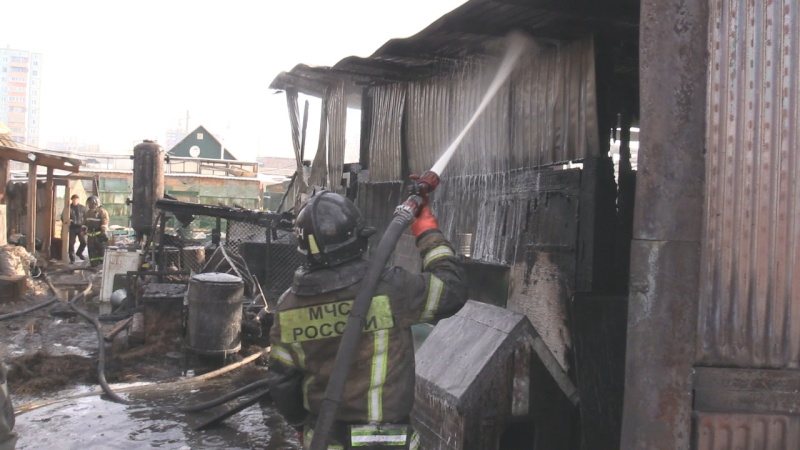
(20, 92)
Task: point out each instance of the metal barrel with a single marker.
(215, 313)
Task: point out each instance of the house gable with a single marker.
(200, 144)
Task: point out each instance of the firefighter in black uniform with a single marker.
(311, 316)
(96, 221)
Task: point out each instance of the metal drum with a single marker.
(215, 313)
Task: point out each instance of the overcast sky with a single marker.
(119, 72)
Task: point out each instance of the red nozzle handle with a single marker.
(426, 182)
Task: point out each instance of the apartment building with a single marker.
(20, 92)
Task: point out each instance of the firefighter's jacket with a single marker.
(311, 318)
(96, 219)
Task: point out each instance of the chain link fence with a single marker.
(271, 255)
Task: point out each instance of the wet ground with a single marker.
(152, 422)
(52, 356)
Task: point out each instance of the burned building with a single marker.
(665, 294)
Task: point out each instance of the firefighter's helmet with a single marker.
(92, 202)
(330, 230)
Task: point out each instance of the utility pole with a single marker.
(186, 124)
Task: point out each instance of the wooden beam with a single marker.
(42, 159)
(65, 223)
(4, 176)
(31, 234)
(49, 206)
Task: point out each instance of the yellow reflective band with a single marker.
(434, 294)
(308, 436)
(282, 355)
(384, 435)
(439, 252)
(312, 244)
(301, 355)
(414, 445)
(306, 383)
(378, 378)
(329, 320)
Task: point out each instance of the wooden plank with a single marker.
(65, 223)
(49, 193)
(4, 177)
(31, 231)
(42, 159)
(121, 325)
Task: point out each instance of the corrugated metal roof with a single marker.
(474, 28)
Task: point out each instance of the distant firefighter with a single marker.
(96, 221)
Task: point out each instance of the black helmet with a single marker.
(92, 202)
(330, 230)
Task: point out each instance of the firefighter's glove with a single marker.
(103, 237)
(425, 221)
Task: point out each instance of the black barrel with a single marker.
(148, 186)
(215, 313)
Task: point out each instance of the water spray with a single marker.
(517, 44)
(405, 213)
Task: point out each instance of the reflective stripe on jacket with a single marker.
(307, 331)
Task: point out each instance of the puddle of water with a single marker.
(91, 422)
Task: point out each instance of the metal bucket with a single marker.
(215, 313)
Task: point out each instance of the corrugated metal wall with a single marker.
(545, 114)
(750, 303)
(748, 352)
(739, 431)
(337, 118)
(386, 133)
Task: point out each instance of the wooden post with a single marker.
(65, 215)
(49, 206)
(4, 176)
(31, 235)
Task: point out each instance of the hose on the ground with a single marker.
(138, 389)
(26, 311)
(202, 406)
(241, 406)
(101, 351)
(225, 398)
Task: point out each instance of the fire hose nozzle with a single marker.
(425, 184)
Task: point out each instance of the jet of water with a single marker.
(517, 43)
